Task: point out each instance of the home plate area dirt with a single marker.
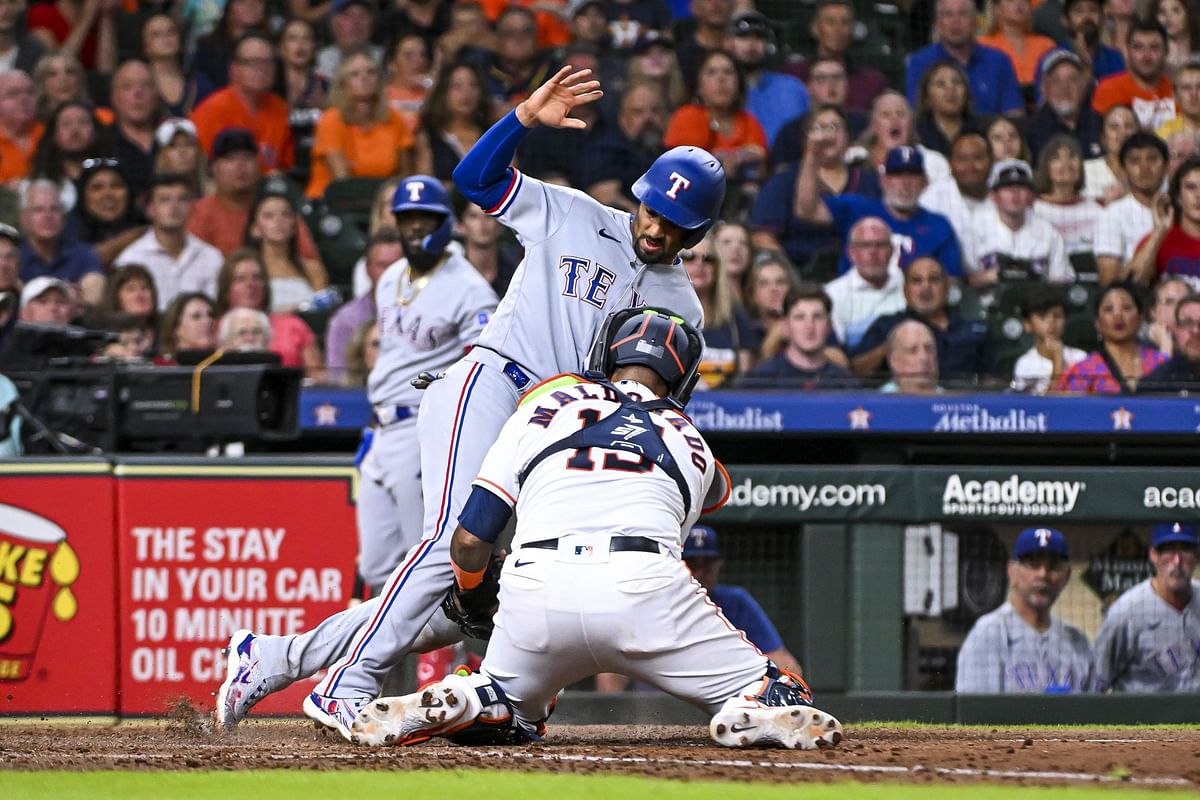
(1168, 758)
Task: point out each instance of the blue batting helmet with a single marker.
(426, 193)
(686, 185)
(654, 338)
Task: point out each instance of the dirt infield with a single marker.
(1168, 758)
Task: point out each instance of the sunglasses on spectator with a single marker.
(100, 163)
(691, 255)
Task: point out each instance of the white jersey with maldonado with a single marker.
(579, 267)
(1147, 645)
(609, 492)
(424, 326)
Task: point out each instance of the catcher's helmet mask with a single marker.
(426, 193)
(685, 186)
(651, 337)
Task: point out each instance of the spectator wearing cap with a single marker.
(46, 301)
(1150, 637)
(20, 130)
(1187, 104)
(917, 231)
(135, 105)
(873, 287)
(1064, 108)
(702, 554)
(832, 29)
(1010, 241)
(772, 97)
(804, 363)
(993, 80)
(220, 218)
(350, 28)
(1144, 86)
(177, 152)
(589, 25)
(45, 251)
(963, 348)
(1021, 647)
(912, 359)
(177, 260)
(1078, 26)
(625, 151)
(247, 102)
(1125, 222)
(1182, 372)
(1173, 246)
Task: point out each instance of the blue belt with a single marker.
(389, 415)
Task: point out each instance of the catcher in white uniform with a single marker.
(595, 585)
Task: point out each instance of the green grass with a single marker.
(496, 784)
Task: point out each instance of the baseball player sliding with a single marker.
(582, 259)
(595, 586)
(432, 304)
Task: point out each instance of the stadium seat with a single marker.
(822, 268)
(1080, 331)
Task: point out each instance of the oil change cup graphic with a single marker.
(37, 568)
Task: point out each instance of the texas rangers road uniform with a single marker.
(1004, 654)
(425, 324)
(1147, 645)
(579, 266)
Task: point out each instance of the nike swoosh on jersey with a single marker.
(604, 234)
(520, 563)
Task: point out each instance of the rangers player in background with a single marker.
(431, 306)
(594, 585)
(582, 259)
(1021, 647)
(1150, 638)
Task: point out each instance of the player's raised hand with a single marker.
(553, 101)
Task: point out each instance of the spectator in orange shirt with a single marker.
(248, 103)
(1144, 86)
(718, 121)
(220, 218)
(1012, 34)
(359, 135)
(20, 130)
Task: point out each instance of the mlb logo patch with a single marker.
(583, 549)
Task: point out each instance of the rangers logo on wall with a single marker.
(37, 568)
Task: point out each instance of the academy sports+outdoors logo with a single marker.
(808, 496)
(1171, 497)
(1010, 497)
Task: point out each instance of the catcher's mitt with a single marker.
(473, 610)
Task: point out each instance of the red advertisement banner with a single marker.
(205, 550)
(58, 637)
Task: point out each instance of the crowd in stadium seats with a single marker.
(953, 195)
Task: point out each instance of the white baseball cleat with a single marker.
(436, 710)
(793, 727)
(335, 713)
(245, 681)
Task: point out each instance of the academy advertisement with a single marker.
(58, 638)
(205, 551)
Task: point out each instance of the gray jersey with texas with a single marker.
(1004, 654)
(1146, 645)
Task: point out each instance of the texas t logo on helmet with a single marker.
(678, 182)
